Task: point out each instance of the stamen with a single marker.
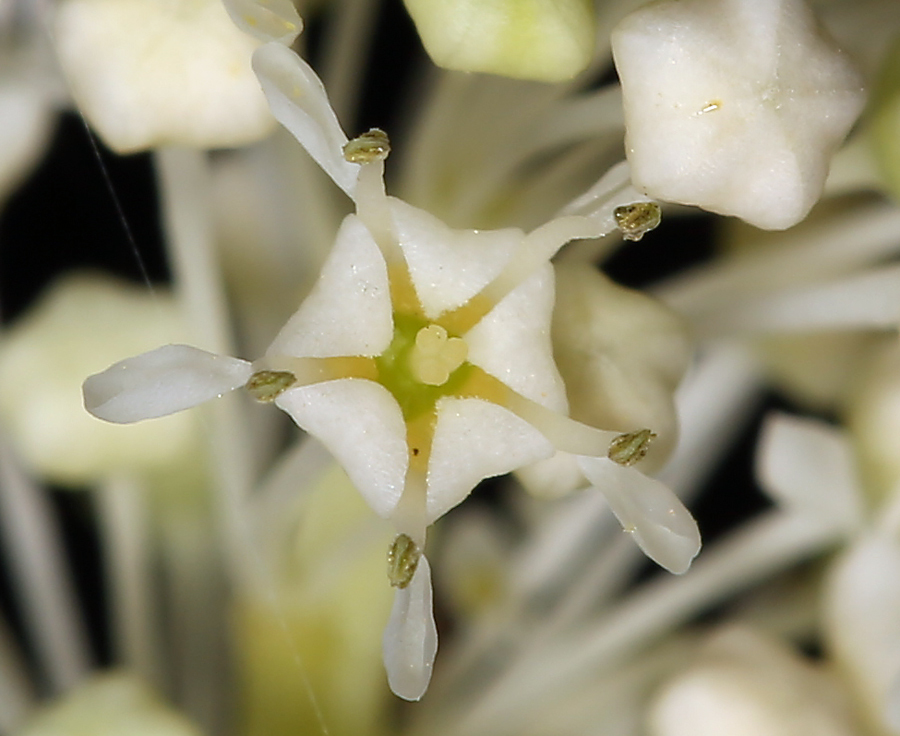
(435, 356)
(265, 386)
(373, 204)
(566, 434)
(628, 449)
(410, 515)
(368, 147)
(638, 219)
(306, 371)
(403, 558)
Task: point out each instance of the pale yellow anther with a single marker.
(435, 356)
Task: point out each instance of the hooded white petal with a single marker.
(622, 354)
(734, 105)
(163, 381)
(662, 527)
(360, 423)
(447, 266)
(299, 102)
(267, 20)
(473, 440)
(349, 310)
(808, 466)
(410, 638)
(512, 342)
(147, 73)
(862, 617)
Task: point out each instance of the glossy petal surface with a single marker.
(163, 381)
(361, 425)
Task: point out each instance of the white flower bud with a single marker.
(735, 106)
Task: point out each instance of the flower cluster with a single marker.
(456, 330)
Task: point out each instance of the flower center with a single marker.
(435, 355)
(422, 364)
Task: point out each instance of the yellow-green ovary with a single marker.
(409, 371)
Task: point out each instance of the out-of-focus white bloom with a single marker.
(114, 704)
(526, 39)
(746, 684)
(886, 119)
(862, 616)
(81, 324)
(149, 73)
(29, 96)
(873, 415)
(808, 467)
(734, 105)
(25, 131)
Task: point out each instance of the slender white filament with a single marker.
(761, 548)
(16, 691)
(49, 606)
(865, 301)
(184, 181)
(128, 558)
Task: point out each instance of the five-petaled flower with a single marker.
(422, 359)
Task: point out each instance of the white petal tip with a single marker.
(661, 525)
(410, 638)
(673, 553)
(161, 382)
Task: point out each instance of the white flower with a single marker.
(422, 360)
(148, 73)
(734, 105)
